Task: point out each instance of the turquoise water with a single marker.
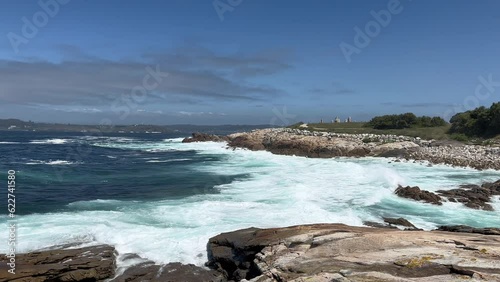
(162, 199)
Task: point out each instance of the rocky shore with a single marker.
(317, 252)
(395, 250)
(472, 196)
(305, 143)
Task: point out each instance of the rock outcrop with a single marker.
(415, 193)
(468, 229)
(400, 222)
(336, 252)
(172, 272)
(95, 263)
(286, 141)
(473, 196)
(98, 263)
(203, 137)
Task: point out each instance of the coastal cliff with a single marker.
(316, 252)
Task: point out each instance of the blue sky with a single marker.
(263, 62)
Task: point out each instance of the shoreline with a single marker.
(286, 141)
(394, 250)
(313, 252)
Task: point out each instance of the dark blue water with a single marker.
(55, 169)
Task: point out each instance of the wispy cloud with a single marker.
(335, 89)
(184, 113)
(195, 76)
(416, 105)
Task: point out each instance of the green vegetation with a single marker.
(480, 122)
(479, 126)
(459, 137)
(407, 120)
(438, 133)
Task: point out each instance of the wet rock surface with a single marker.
(415, 193)
(473, 196)
(172, 272)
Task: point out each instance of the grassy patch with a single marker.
(438, 133)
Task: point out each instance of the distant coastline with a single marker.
(20, 125)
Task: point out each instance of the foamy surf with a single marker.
(277, 191)
(50, 141)
(167, 161)
(51, 162)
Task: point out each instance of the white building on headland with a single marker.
(338, 120)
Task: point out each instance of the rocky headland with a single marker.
(286, 141)
(316, 253)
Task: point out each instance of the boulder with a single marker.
(399, 221)
(396, 153)
(473, 196)
(358, 152)
(417, 194)
(246, 142)
(378, 225)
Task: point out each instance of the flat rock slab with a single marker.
(98, 263)
(95, 263)
(337, 252)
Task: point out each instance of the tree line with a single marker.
(406, 120)
(480, 122)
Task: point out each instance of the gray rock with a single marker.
(95, 263)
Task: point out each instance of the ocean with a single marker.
(152, 195)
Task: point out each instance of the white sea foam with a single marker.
(50, 141)
(176, 140)
(51, 162)
(279, 191)
(167, 161)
